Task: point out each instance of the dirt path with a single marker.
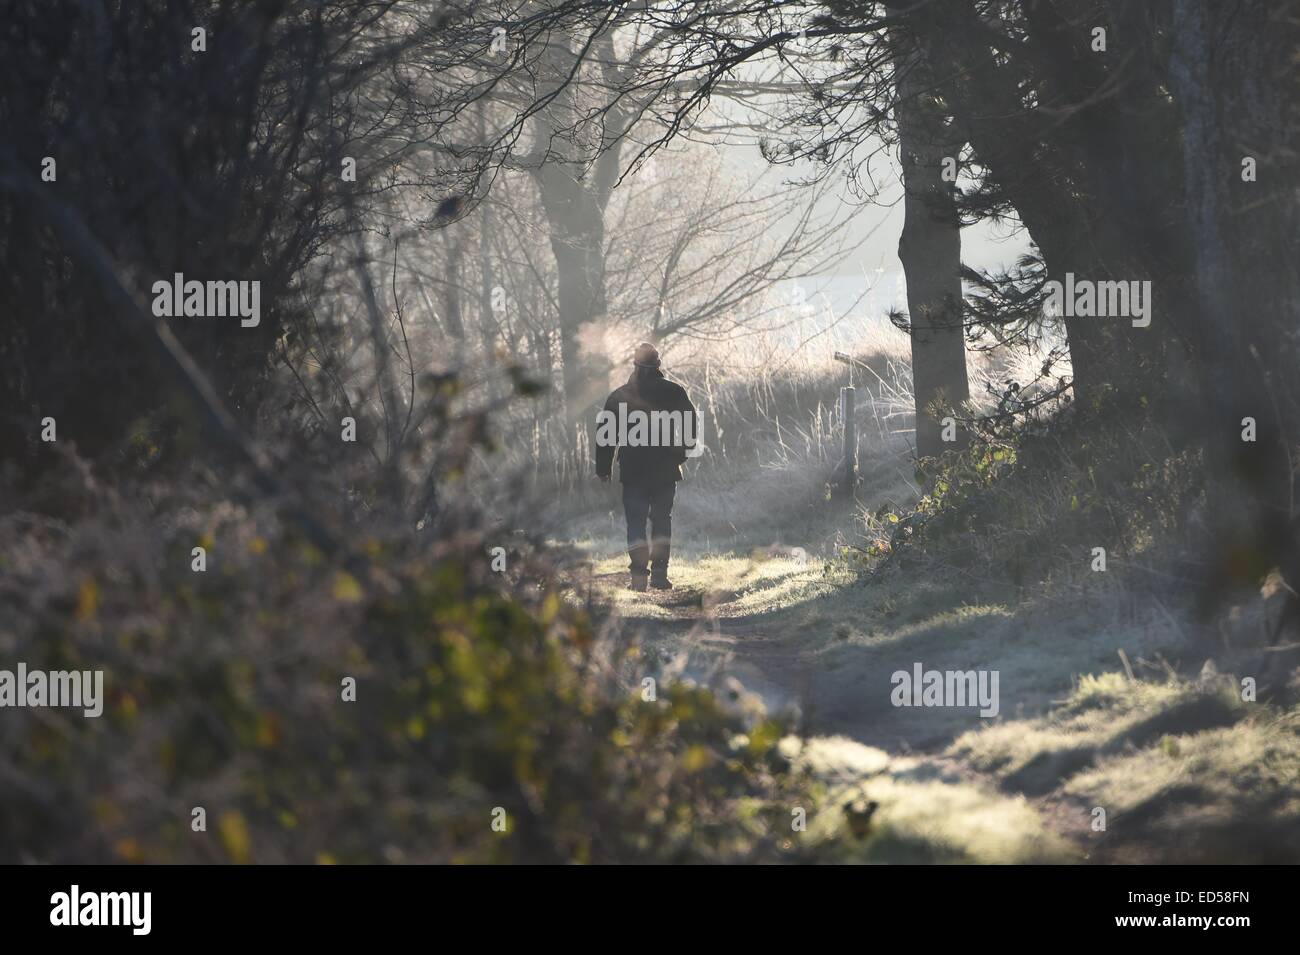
(719, 642)
(820, 647)
(765, 615)
(797, 653)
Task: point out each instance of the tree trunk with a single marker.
(487, 322)
(453, 311)
(930, 250)
(575, 180)
(1233, 80)
(577, 231)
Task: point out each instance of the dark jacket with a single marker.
(647, 391)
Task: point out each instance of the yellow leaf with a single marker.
(128, 850)
(234, 836)
(763, 737)
(345, 588)
(696, 758)
(268, 732)
(257, 545)
(87, 599)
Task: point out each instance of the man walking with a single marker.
(651, 425)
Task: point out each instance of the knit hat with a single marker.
(647, 356)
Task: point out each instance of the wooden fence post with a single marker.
(847, 402)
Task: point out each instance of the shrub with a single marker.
(473, 693)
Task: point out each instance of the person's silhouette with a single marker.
(651, 426)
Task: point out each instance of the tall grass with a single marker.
(764, 402)
(771, 422)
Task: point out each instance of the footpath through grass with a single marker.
(1183, 769)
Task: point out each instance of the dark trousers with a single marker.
(655, 503)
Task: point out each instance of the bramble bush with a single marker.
(474, 692)
(1026, 500)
